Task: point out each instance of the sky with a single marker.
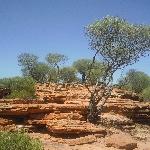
(43, 26)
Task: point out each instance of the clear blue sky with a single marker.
(43, 26)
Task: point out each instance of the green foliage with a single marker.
(55, 59)
(146, 94)
(96, 72)
(84, 68)
(40, 72)
(118, 42)
(21, 87)
(27, 62)
(18, 141)
(135, 81)
(82, 65)
(68, 75)
(53, 75)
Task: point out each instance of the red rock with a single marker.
(65, 126)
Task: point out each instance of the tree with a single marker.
(83, 67)
(135, 81)
(55, 60)
(68, 74)
(27, 62)
(117, 44)
(41, 72)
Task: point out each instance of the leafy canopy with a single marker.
(56, 59)
(83, 66)
(68, 75)
(27, 62)
(118, 42)
(41, 72)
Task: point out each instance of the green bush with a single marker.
(146, 94)
(18, 141)
(135, 81)
(21, 87)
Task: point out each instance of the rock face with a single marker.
(63, 109)
(135, 110)
(116, 120)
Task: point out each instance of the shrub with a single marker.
(21, 87)
(18, 141)
(146, 94)
(135, 81)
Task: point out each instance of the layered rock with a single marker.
(135, 110)
(67, 126)
(116, 120)
(63, 109)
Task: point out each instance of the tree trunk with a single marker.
(96, 105)
(93, 112)
(83, 77)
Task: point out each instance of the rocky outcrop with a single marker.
(121, 102)
(63, 109)
(117, 121)
(135, 110)
(124, 94)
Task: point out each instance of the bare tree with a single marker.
(117, 44)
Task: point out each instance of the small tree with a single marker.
(27, 62)
(68, 75)
(55, 60)
(40, 72)
(117, 44)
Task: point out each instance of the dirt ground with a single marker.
(141, 134)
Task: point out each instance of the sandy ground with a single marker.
(141, 134)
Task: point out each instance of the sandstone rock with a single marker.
(82, 140)
(124, 94)
(63, 108)
(27, 109)
(4, 121)
(119, 121)
(73, 127)
(121, 141)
